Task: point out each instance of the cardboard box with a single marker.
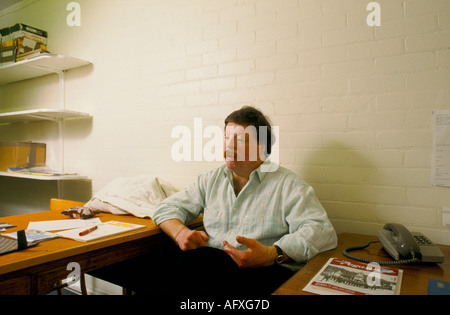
(7, 47)
(20, 39)
(31, 32)
(14, 154)
(7, 52)
(28, 38)
(38, 152)
(21, 154)
(5, 32)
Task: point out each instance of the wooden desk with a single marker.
(37, 270)
(415, 276)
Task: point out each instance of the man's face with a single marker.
(241, 146)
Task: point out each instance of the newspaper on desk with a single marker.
(342, 277)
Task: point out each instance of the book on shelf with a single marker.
(31, 54)
(343, 277)
(37, 171)
(20, 39)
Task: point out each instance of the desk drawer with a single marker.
(16, 286)
(48, 280)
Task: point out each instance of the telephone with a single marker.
(405, 247)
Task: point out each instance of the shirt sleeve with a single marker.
(185, 205)
(310, 231)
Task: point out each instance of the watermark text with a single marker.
(221, 145)
(374, 17)
(74, 17)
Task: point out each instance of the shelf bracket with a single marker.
(62, 105)
(62, 87)
(62, 82)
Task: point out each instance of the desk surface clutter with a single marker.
(416, 278)
(99, 231)
(62, 247)
(40, 269)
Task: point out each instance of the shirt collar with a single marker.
(258, 172)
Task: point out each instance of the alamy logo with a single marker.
(74, 17)
(374, 278)
(374, 17)
(189, 146)
(74, 276)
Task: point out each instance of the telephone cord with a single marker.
(381, 263)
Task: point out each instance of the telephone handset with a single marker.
(402, 244)
(405, 247)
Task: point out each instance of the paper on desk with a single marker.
(441, 148)
(103, 230)
(33, 235)
(59, 225)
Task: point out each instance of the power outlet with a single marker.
(446, 217)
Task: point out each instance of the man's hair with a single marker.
(250, 116)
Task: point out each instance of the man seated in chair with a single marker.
(260, 222)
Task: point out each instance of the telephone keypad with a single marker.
(422, 239)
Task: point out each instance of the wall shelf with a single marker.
(43, 177)
(38, 66)
(35, 67)
(40, 114)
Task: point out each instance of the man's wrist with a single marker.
(179, 231)
(272, 255)
(281, 256)
(172, 227)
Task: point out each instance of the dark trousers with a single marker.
(211, 272)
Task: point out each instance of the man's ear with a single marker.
(261, 151)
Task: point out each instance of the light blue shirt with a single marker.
(275, 208)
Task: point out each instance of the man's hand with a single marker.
(190, 239)
(256, 255)
(185, 238)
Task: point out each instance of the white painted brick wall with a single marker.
(353, 102)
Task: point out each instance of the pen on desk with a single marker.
(88, 231)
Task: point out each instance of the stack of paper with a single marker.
(39, 231)
(103, 230)
(58, 225)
